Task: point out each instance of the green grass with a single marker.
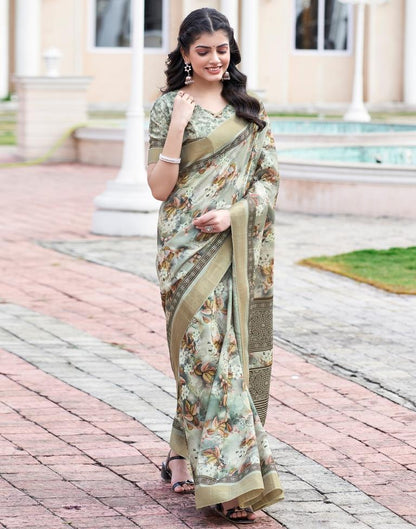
(7, 132)
(393, 270)
(7, 129)
(292, 115)
(387, 116)
(382, 117)
(106, 114)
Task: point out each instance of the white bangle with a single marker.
(168, 159)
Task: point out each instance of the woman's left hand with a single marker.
(213, 221)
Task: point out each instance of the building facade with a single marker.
(295, 52)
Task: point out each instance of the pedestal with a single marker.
(48, 107)
(124, 223)
(125, 209)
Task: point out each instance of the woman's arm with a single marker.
(162, 176)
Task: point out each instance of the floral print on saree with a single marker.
(217, 295)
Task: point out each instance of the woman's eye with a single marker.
(201, 54)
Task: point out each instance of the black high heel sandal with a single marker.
(228, 514)
(166, 474)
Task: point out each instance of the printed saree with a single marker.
(217, 293)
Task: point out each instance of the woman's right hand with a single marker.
(162, 176)
(183, 107)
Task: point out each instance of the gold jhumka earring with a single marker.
(188, 70)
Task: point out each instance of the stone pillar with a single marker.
(48, 107)
(127, 207)
(187, 7)
(4, 48)
(250, 42)
(28, 37)
(357, 111)
(230, 9)
(410, 53)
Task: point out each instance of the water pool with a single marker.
(310, 127)
(376, 154)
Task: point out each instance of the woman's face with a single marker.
(209, 56)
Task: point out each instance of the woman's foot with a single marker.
(175, 469)
(231, 511)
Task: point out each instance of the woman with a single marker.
(212, 162)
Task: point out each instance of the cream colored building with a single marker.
(297, 52)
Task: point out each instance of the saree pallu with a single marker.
(217, 293)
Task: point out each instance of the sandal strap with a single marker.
(175, 457)
(231, 511)
(228, 514)
(234, 510)
(182, 483)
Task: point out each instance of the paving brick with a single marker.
(62, 310)
(105, 522)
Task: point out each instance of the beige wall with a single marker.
(59, 30)
(321, 79)
(66, 25)
(385, 52)
(291, 77)
(274, 50)
(287, 77)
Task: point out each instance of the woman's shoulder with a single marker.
(262, 111)
(164, 103)
(254, 95)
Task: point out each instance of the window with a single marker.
(153, 37)
(322, 25)
(112, 23)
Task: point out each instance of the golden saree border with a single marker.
(239, 225)
(260, 324)
(206, 254)
(259, 387)
(177, 440)
(254, 490)
(194, 297)
(249, 486)
(223, 136)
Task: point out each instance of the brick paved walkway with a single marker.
(87, 394)
(346, 327)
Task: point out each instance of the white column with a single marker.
(410, 53)
(357, 110)
(127, 207)
(78, 40)
(250, 42)
(4, 48)
(230, 9)
(28, 37)
(187, 7)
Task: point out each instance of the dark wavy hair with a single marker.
(207, 20)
